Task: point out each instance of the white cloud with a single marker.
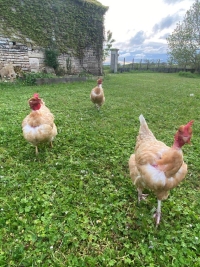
(140, 27)
(125, 55)
(139, 56)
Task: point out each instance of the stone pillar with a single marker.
(114, 59)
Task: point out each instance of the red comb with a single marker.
(189, 124)
(36, 95)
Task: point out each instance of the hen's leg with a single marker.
(141, 196)
(157, 215)
(36, 150)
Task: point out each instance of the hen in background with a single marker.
(156, 166)
(97, 94)
(39, 127)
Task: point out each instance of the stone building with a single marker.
(31, 57)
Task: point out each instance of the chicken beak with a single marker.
(186, 139)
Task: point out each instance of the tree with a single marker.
(107, 44)
(184, 42)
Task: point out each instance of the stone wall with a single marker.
(33, 60)
(17, 54)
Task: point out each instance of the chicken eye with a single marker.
(180, 130)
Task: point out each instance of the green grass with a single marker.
(74, 204)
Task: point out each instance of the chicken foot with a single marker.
(141, 196)
(97, 106)
(157, 215)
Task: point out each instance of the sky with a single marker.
(140, 27)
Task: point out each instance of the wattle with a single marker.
(36, 107)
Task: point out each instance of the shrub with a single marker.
(186, 74)
(51, 58)
(69, 66)
(29, 78)
(60, 71)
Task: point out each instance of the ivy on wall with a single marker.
(58, 24)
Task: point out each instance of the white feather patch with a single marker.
(157, 176)
(28, 129)
(42, 129)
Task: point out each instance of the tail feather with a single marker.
(142, 119)
(144, 129)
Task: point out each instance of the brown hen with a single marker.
(97, 94)
(156, 166)
(39, 127)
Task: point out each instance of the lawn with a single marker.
(74, 204)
